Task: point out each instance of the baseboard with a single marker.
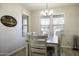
(3, 54)
(66, 46)
(8, 54)
(15, 51)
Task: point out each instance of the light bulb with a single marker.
(51, 11)
(42, 12)
(46, 11)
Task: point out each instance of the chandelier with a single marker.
(46, 12)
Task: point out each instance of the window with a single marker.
(24, 25)
(57, 21)
(45, 23)
(58, 24)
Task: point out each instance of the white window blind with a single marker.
(58, 24)
(45, 23)
(57, 21)
(24, 25)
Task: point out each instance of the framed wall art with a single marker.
(8, 21)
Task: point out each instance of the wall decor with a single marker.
(8, 21)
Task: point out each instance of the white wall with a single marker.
(71, 23)
(11, 37)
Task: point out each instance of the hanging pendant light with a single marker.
(46, 12)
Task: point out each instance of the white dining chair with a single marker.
(38, 45)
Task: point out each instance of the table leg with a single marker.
(55, 50)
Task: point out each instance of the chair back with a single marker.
(38, 46)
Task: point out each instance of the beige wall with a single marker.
(11, 37)
(35, 21)
(71, 15)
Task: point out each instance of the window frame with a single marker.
(44, 17)
(61, 25)
(23, 25)
(54, 16)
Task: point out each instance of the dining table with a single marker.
(53, 42)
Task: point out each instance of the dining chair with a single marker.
(38, 45)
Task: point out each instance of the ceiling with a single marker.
(40, 6)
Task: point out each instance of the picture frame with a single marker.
(8, 21)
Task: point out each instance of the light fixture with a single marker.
(46, 12)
